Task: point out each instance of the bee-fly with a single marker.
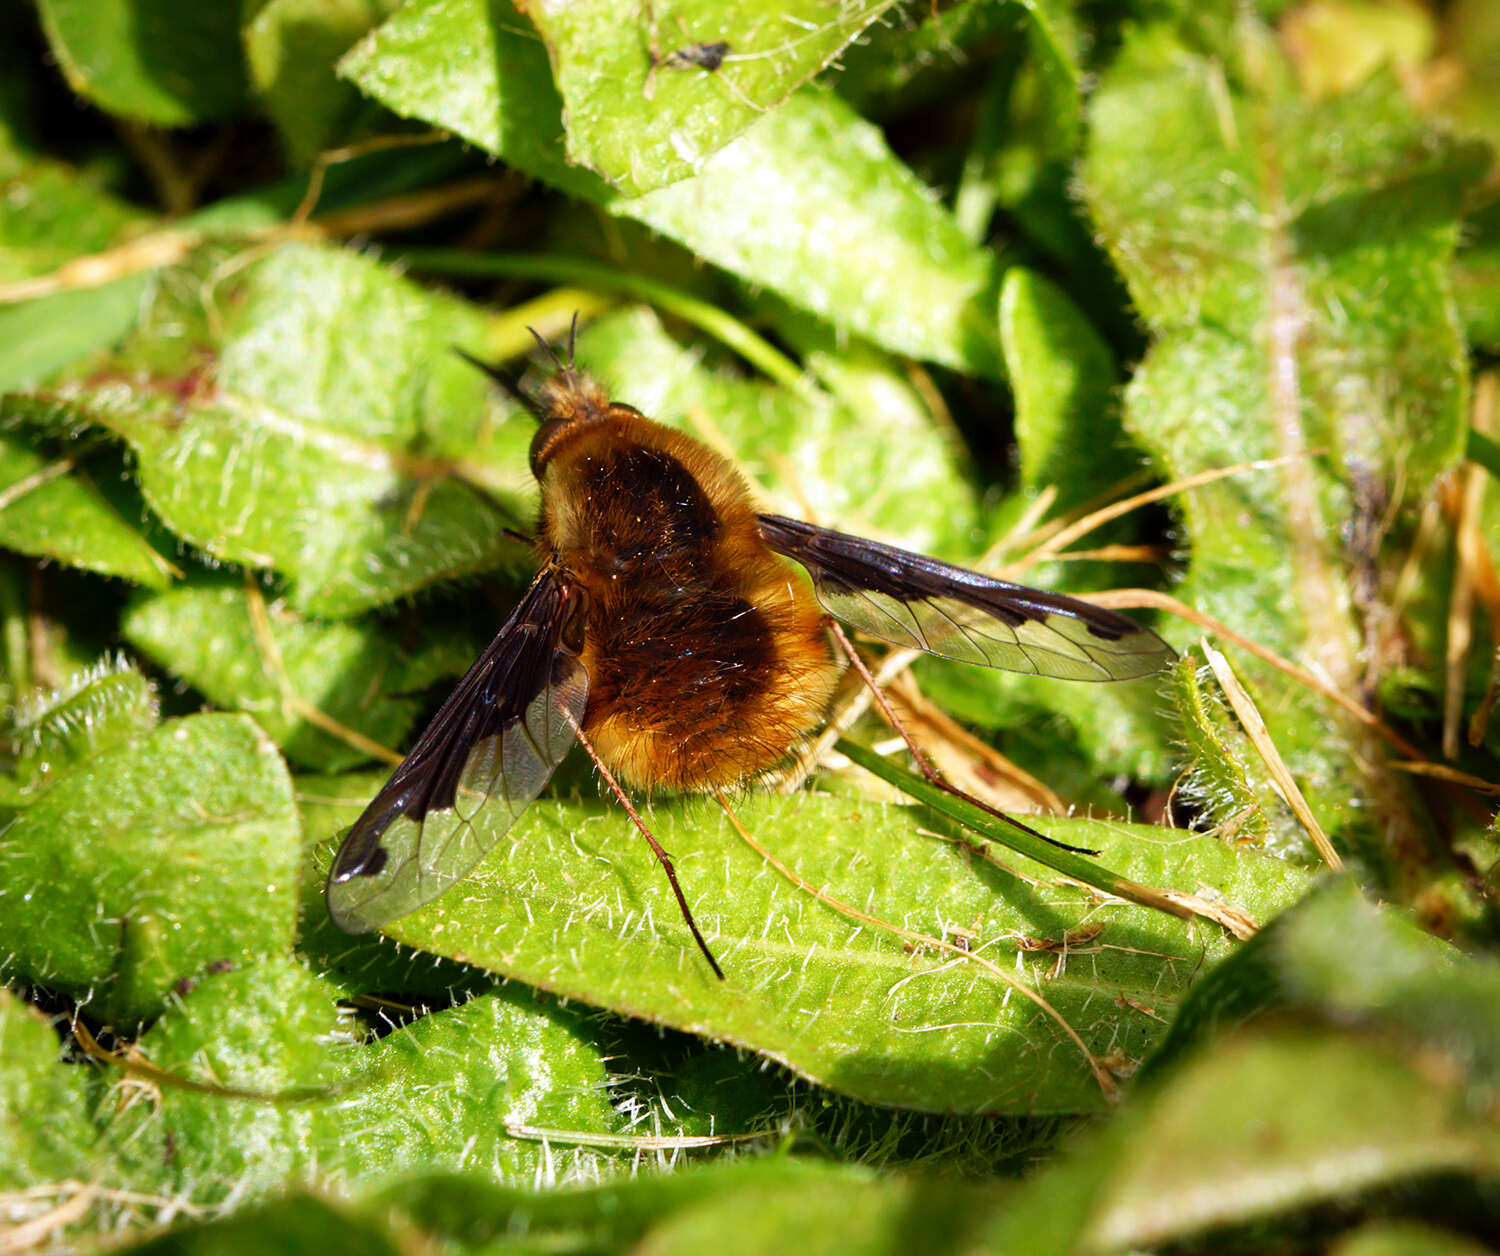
(665, 633)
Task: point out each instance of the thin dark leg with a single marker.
(924, 764)
(661, 856)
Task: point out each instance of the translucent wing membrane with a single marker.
(478, 765)
(911, 600)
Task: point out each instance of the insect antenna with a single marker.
(919, 756)
(568, 369)
(661, 856)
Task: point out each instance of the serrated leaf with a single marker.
(1289, 258)
(93, 713)
(268, 1086)
(767, 207)
(1233, 791)
(575, 904)
(166, 62)
(917, 51)
(207, 634)
(643, 128)
(322, 443)
(50, 508)
(145, 864)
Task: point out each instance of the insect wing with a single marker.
(478, 765)
(911, 600)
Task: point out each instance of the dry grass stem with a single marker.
(1260, 738)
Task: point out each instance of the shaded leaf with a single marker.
(1342, 959)
(290, 50)
(207, 634)
(167, 62)
(49, 215)
(50, 508)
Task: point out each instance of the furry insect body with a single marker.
(669, 634)
(708, 664)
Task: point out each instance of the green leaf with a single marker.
(371, 963)
(760, 1205)
(1264, 1125)
(1290, 259)
(206, 633)
(1063, 376)
(97, 711)
(1406, 1238)
(862, 468)
(147, 863)
(764, 207)
(811, 203)
(50, 508)
(641, 129)
(574, 903)
(45, 1132)
(1340, 958)
(903, 62)
(290, 50)
(299, 1225)
(49, 215)
(323, 443)
(1226, 778)
(166, 62)
(475, 68)
(265, 1085)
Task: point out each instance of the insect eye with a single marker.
(541, 440)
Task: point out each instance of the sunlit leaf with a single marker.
(574, 903)
(145, 864)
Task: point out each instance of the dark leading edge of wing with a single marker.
(478, 765)
(911, 600)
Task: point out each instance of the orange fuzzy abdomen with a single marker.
(707, 658)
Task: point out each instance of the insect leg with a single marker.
(919, 756)
(661, 856)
